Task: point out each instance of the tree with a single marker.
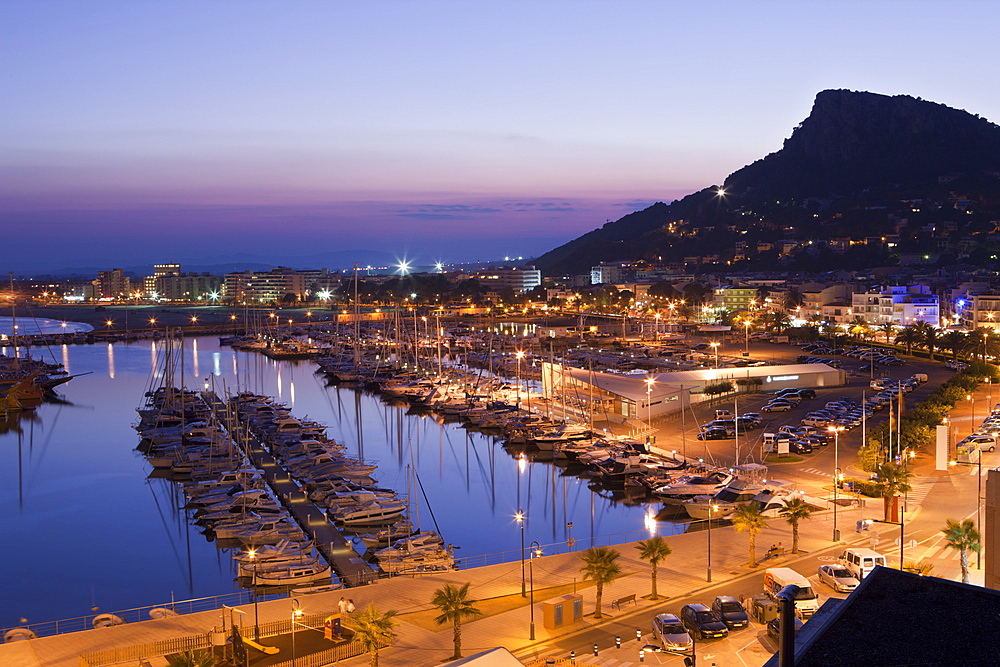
(198, 658)
(887, 329)
(793, 299)
(373, 630)
(963, 536)
(929, 337)
(909, 337)
(455, 606)
(600, 565)
(859, 327)
(794, 511)
(654, 550)
(748, 519)
(953, 341)
(894, 479)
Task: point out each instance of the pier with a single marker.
(330, 542)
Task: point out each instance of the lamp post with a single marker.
(715, 346)
(972, 398)
(979, 497)
(519, 517)
(536, 550)
(836, 476)
(711, 509)
(746, 331)
(649, 392)
(519, 355)
(901, 534)
(296, 614)
(256, 619)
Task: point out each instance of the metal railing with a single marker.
(137, 614)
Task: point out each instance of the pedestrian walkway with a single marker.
(497, 586)
(814, 471)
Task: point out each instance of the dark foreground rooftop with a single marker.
(897, 618)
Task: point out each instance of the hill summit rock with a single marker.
(853, 146)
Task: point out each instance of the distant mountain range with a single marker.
(854, 169)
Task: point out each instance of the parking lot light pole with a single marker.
(711, 509)
(901, 534)
(836, 476)
(715, 346)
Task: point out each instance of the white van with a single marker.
(861, 561)
(776, 578)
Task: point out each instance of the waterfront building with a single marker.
(517, 278)
(898, 304)
(113, 284)
(278, 284)
(159, 270)
(188, 287)
(979, 310)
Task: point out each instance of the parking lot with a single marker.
(750, 444)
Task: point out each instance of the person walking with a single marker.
(342, 605)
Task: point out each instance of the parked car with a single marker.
(671, 634)
(699, 619)
(838, 577)
(777, 407)
(774, 626)
(731, 612)
(715, 434)
(985, 443)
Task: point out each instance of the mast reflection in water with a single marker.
(83, 526)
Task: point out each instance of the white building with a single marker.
(899, 304)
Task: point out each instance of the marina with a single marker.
(131, 541)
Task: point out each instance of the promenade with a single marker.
(497, 586)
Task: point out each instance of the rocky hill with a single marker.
(857, 152)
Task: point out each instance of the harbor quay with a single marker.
(497, 589)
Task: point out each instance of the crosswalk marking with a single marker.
(919, 490)
(814, 471)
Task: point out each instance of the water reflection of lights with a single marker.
(65, 359)
(111, 361)
(649, 522)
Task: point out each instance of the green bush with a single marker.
(865, 487)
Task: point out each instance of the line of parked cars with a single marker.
(725, 425)
(873, 355)
(784, 400)
(674, 634)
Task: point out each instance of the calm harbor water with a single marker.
(83, 526)
(38, 325)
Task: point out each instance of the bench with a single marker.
(623, 600)
(774, 551)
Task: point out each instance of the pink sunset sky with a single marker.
(137, 131)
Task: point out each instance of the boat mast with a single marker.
(13, 321)
(357, 321)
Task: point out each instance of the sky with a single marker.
(140, 131)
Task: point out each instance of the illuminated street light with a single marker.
(519, 518)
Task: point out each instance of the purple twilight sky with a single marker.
(134, 131)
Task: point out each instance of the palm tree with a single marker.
(953, 341)
(654, 550)
(793, 299)
(929, 337)
(909, 337)
(748, 519)
(859, 327)
(198, 658)
(894, 479)
(963, 536)
(887, 329)
(600, 565)
(373, 630)
(794, 511)
(455, 606)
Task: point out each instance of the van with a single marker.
(920, 377)
(861, 561)
(776, 578)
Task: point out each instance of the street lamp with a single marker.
(519, 355)
(746, 331)
(711, 508)
(972, 398)
(901, 534)
(715, 346)
(836, 476)
(979, 496)
(536, 550)
(296, 614)
(649, 392)
(519, 517)
(256, 619)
